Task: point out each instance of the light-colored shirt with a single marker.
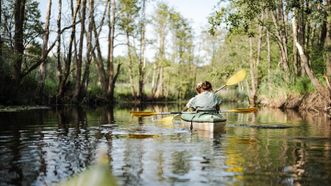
(204, 101)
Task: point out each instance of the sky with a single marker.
(196, 11)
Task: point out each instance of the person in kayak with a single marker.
(205, 100)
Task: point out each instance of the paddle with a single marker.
(148, 113)
(234, 79)
(143, 114)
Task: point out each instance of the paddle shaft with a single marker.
(239, 110)
(168, 113)
(219, 89)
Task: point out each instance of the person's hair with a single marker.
(206, 86)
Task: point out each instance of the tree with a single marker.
(64, 73)
(112, 73)
(129, 13)
(44, 53)
(142, 60)
(108, 75)
(308, 32)
(79, 62)
(19, 38)
(182, 54)
(161, 22)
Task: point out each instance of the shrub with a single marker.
(302, 85)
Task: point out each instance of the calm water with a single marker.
(269, 147)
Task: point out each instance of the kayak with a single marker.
(204, 121)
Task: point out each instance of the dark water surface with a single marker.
(269, 147)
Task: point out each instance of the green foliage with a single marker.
(273, 85)
(318, 61)
(26, 93)
(50, 87)
(94, 90)
(303, 85)
(129, 13)
(233, 95)
(32, 24)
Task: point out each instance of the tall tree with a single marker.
(79, 62)
(182, 53)
(112, 73)
(89, 46)
(1, 30)
(66, 71)
(44, 53)
(161, 23)
(107, 75)
(129, 13)
(304, 58)
(18, 38)
(25, 17)
(328, 39)
(142, 60)
(59, 67)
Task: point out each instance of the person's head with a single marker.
(206, 86)
(198, 88)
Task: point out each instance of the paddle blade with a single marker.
(241, 110)
(142, 114)
(143, 136)
(167, 120)
(236, 78)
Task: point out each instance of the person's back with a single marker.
(205, 100)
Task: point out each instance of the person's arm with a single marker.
(190, 104)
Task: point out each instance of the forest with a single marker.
(70, 55)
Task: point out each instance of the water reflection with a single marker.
(45, 147)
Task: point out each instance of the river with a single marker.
(269, 147)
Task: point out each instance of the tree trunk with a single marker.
(295, 58)
(282, 43)
(159, 90)
(86, 74)
(19, 14)
(58, 51)
(79, 62)
(107, 77)
(252, 65)
(328, 40)
(1, 31)
(98, 56)
(112, 76)
(42, 67)
(158, 69)
(155, 79)
(304, 59)
(131, 75)
(63, 84)
(269, 60)
(324, 30)
(141, 66)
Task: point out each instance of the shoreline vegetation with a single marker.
(69, 55)
(312, 102)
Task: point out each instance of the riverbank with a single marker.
(22, 108)
(312, 102)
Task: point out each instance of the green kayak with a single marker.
(206, 121)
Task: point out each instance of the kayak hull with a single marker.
(202, 121)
